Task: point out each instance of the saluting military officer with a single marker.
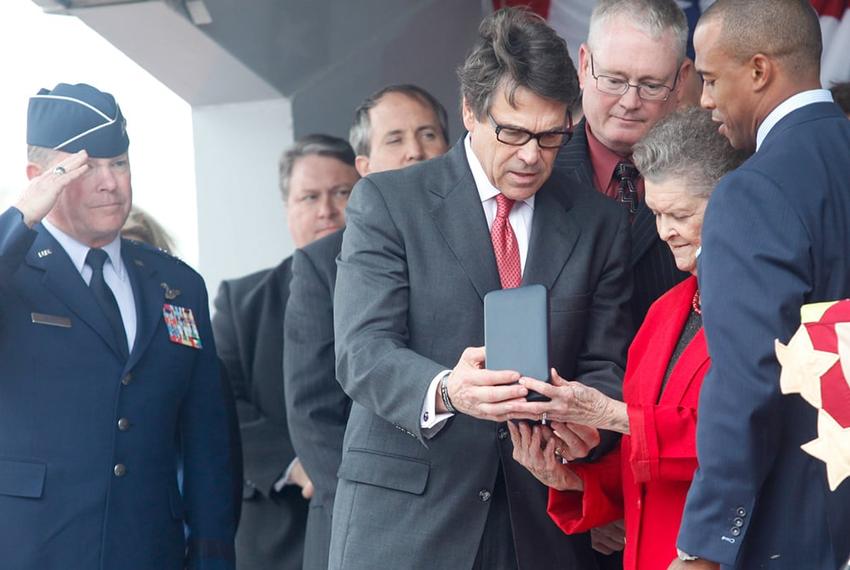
(114, 449)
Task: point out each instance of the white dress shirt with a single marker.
(520, 219)
(787, 107)
(114, 273)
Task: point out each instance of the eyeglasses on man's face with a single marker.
(516, 136)
(618, 86)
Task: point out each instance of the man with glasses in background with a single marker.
(427, 478)
(632, 70)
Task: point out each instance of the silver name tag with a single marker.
(51, 320)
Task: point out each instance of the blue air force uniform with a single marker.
(106, 461)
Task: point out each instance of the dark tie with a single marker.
(626, 174)
(505, 245)
(103, 294)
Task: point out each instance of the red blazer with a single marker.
(647, 479)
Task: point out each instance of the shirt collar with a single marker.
(603, 159)
(78, 251)
(485, 188)
(787, 107)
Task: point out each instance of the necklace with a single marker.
(695, 303)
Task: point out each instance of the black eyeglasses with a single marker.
(516, 136)
(619, 86)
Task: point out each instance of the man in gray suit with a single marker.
(427, 479)
(395, 127)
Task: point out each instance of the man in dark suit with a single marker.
(427, 478)
(393, 128)
(114, 444)
(316, 176)
(776, 237)
(632, 70)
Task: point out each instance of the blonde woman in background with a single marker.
(141, 226)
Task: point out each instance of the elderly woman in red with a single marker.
(647, 478)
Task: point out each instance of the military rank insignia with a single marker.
(181, 325)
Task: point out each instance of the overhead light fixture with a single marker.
(198, 12)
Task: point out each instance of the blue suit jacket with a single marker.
(776, 236)
(63, 389)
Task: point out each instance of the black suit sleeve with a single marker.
(317, 408)
(601, 363)
(267, 450)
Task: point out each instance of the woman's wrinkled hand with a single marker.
(577, 440)
(571, 403)
(538, 450)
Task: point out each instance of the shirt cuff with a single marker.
(286, 477)
(430, 421)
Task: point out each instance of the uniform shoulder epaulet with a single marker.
(158, 251)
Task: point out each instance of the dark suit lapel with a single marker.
(63, 280)
(644, 232)
(553, 236)
(149, 295)
(574, 158)
(459, 217)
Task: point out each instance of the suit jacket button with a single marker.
(502, 433)
(127, 379)
(735, 531)
(123, 424)
(739, 522)
(741, 512)
(484, 495)
(120, 470)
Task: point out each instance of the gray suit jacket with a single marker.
(653, 267)
(415, 265)
(316, 407)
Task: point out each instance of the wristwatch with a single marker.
(684, 556)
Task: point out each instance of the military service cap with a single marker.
(71, 118)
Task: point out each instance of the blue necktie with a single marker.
(103, 294)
